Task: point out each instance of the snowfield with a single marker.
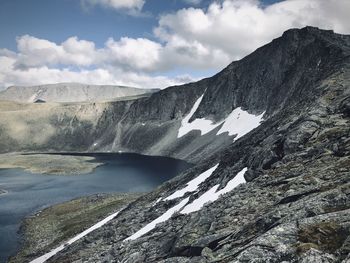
(192, 185)
(212, 194)
(164, 217)
(202, 124)
(238, 122)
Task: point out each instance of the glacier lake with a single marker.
(28, 193)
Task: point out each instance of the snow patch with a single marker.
(212, 194)
(240, 122)
(158, 220)
(157, 201)
(74, 239)
(202, 124)
(193, 184)
(32, 98)
(318, 63)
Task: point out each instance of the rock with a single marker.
(315, 256)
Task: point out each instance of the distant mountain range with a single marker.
(69, 92)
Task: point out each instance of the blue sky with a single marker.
(56, 20)
(148, 43)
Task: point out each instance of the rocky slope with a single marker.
(295, 204)
(69, 92)
(58, 223)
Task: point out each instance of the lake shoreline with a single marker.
(31, 192)
(52, 226)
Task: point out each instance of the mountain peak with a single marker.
(307, 30)
(276, 75)
(306, 34)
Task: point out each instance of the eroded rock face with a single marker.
(295, 206)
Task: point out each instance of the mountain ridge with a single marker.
(69, 92)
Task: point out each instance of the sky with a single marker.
(145, 43)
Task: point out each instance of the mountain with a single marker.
(269, 137)
(69, 92)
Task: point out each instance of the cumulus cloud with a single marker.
(133, 54)
(10, 75)
(35, 52)
(131, 6)
(234, 28)
(191, 39)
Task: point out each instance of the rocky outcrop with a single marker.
(295, 204)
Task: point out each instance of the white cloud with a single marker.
(189, 39)
(34, 52)
(131, 6)
(134, 54)
(128, 53)
(10, 75)
(123, 62)
(233, 28)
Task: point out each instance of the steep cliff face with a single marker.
(280, 193)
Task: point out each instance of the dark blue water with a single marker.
(28, 192)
